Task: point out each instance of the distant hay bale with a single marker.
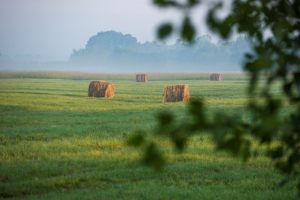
(101, 89)
(174, 93)
(141, 77)
(216, 77)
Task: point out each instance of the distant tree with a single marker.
(274, 29)
(116, 50)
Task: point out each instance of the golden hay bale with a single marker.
(141, 77)
(216, 77)
(101, 89)
(174, 93)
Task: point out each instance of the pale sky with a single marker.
(53, 28)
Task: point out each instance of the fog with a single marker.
(53, 28)
(43, 34)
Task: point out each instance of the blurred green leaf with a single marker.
(165, 3)
(153, 157)
(165, 30)
(165, 118)
(137, 140)
(276, 153)
(287, 88)
(188, 31)
(196, 110)
(193, 3)
(179, 138)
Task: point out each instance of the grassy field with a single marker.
(56, 143)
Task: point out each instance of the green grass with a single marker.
(56, 143)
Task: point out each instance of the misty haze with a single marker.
(112, 51)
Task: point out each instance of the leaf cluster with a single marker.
(274, 30)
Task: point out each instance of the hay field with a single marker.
(57, 143)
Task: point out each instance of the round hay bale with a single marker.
(216, 77)
(175, 93)
(141, 77)
(101, 89)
